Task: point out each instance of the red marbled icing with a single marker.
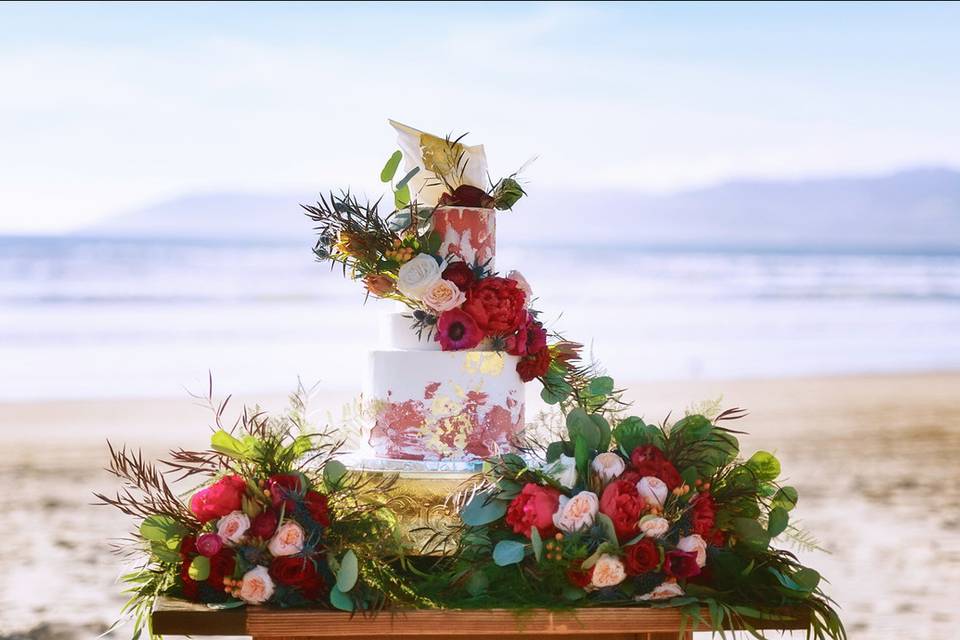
(399, 429)
(467, 233)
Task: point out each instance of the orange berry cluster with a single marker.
(232, 587)
(555, 549)
(682, 490)
(399, 252)
(702, 486)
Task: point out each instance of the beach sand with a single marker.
(876, 460)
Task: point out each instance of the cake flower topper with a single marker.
(444, 165)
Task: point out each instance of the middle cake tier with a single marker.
(444, 405)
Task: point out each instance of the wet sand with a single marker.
(876, 460)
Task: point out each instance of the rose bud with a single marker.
(209, 544)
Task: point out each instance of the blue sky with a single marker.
(104, 108)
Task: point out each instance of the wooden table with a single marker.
(181, 618)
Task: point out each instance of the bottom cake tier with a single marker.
(443, 405)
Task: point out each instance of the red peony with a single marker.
(209, 544)
(579, 576)
(704, 515)
(300, 573)
(534, 365)
(264, 524)
(219, 499)
(534, 507)
(466, 196)
(622, 503)
(283, 487)
(530, 338)
(460, 274)
(316, 504)
(681, 564)
(648, 460)
(457, 330)
(641, 557)
(496, 304)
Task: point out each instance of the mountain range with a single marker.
(911, 209)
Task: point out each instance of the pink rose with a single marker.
(233, 526)
(257, 586)
(443, 295)
(287, 541)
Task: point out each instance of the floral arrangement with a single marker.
(276, 521)
(621, 512)
(398, 256)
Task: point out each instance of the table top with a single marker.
(176, 617)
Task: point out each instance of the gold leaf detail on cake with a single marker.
(488, 363)
(444, 406)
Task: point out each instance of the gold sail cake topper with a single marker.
(440, 162)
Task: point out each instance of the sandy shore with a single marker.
(876, 460)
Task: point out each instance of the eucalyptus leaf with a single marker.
(777, 521)
(579, 424)
(786, 498)
(508, 552)
(608, 529)
(751, 533)
(477, 583)
(349, 572)
(403, 181)
(340, 600)
(555, 450)
(390, 168)
(537, 542)
(482, 509)
(764, 465)
(807, 578)
(601, 386)
(333, 473)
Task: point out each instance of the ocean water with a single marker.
(98, 318)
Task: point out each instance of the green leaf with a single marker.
(403, 181)
(508, 552)
(432, 243)
(572, 593)
(477, 583)
(777, 521)
(581, 454)
(508, 192)
(224, 443)
(162, 529)
(601, 386)
(604, 428)
(764, 465)
(580, 424)
(199, 568)
(786, 498)
(537, 543)
(751, 533)
(554, 451)
(401, 197)
(632, 432)
(349, 571)
(807, 578)
(548, 395)
(333, 473)
(340, 600)
(482, 510)
(608, 529)
(161, 552)
(692, 428)
(390, 168)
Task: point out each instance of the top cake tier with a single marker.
(467, 232)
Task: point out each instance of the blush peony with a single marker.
(287, 541)
(576, 513)
(233, 526)
(608, 466)
(608, 572)
(257, 586)
(653, 490)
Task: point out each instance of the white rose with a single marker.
(696, 544)
(654, 526)
(608, 466)
(664, 591)
(256, 586)
(417, 275)
(522, 283)
(232, 527)
(564, 471)
(443, 295)
(577, 512)
(287, 541)
(608, 572)
(653, 491)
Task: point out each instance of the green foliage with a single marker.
(777, 521)
(506, 193)
(765, 466)
(785, 498)
(751, 533)
(633, 432)
(390, 168)
(600, 386)
(199, 568)
(536, 542)
(580, 425)
(340, 600)
(349, 571)
(165, 531)
(333, 473)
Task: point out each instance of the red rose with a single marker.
(641, 557)
(283, 486)
(460, 274)
(534, 507)
(681, 564)
(704, 515)
(219, 499)
(530, 338)
(580, 577)
(221, 566)
(466, 196)
(300, 573)
(648, 460)
(496, 304)
(264, 524)
(316, 504)
(191, 588)
(718, 538)
(534, 365)
(622, 503)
